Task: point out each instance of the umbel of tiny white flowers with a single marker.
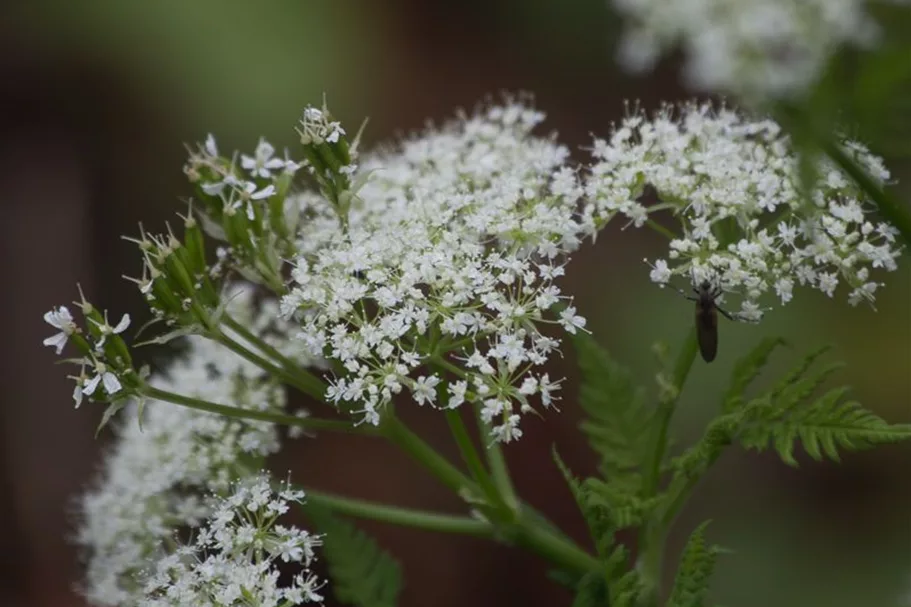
(106, 367)
(234, 557)
(157, 478)
(435, 273)
(757, 50)
(746, 224)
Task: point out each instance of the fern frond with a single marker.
(625, 509)
(797, 372)
(697, 459)
(600, 523)
(691, 585)
(822, 427)
(745, 371)
(618, 422)
(362, 574)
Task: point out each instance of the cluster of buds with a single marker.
(331, 159)
(177, 281)
(106, 367)
(245, 207)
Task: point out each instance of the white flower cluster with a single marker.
(735, 186)
(235, 555)
(443, 268)
(768, 49)
(157, 474)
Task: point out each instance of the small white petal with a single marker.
(111, 383)
(89, 388)
(123, 324)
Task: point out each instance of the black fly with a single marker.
(707, 317)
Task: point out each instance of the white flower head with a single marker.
(462, 233)
(235, 556)
(745, 225)
(773, 48)
(159, 476)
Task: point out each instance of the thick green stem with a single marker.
(499, 471)
(406, 517)
(308, 423)
(651, 537)
(553, 547)
(470, 456)
(529, 530)
(316, 384)
(292, 379)
(425, 455)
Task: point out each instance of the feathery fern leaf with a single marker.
(691, 585)
(618, 422)
(599, 520)
(362, 574)
(822, 427)
(745, 371)
(787, 413)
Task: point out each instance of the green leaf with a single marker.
(787, 413)
(745, 371)
(823, 427)
(691, 585)
(616, 580)
(599, 521)
(362, 574)
(591, 591)
(618, 423)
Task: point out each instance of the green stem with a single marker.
(470, 456)
(308, 423)
(267, 349)
(292, 379)
(651, 537)
(660, 229)
(499, 471)
(406, 517)
(529, 530)
(424, 454)
(553, 547)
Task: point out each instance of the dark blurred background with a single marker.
(96, 98)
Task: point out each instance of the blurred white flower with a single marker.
(159, 476)
(757, 50)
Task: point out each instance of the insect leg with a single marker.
(684, 295)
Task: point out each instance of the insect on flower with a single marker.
(707, 317)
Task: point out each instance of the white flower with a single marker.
(106, 378)
(210, 148)
(316, 128)
(262, 163)
(571, 321)
(158, 477)
(773, 48)
(234, 557)
(107, 330)
(660, 272)
(734, 185)
(424, 389)
(461, 233)
(59, 318)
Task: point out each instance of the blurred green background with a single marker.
(97, 98)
